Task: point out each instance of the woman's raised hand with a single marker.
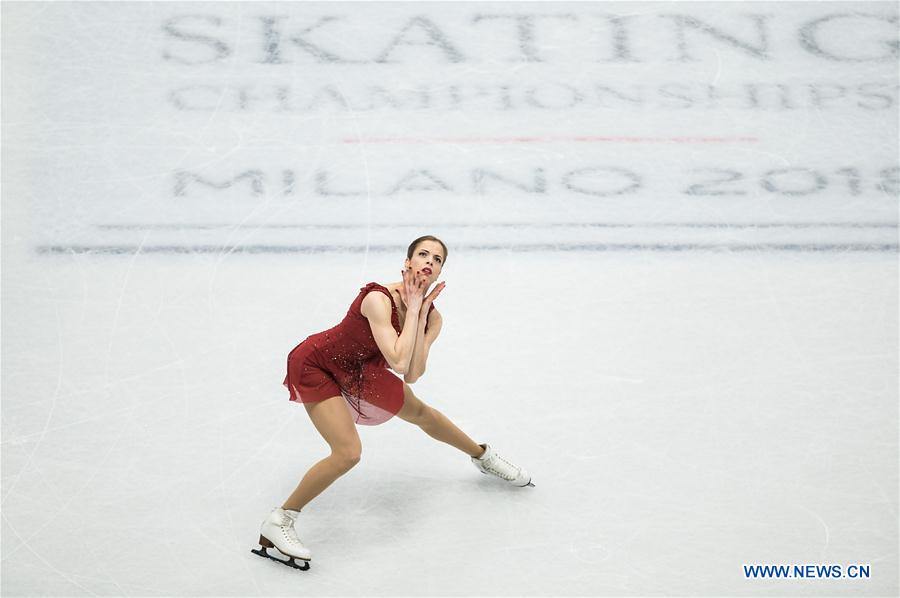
(413, 290)
(426, 303)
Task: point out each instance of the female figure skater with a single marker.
(341, 377)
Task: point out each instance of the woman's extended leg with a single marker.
(435, 424)
(332, 420)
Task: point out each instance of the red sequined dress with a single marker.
(345, 360)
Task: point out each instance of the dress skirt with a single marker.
(372, 393)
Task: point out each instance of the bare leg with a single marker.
(332, 420)
(435, 424)
(440, 428)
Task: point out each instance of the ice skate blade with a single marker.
(290, 562)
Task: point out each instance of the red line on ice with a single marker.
(552, 139)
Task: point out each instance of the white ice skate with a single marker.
(278, 531)
(491, 462)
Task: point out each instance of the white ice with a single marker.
(701, 372)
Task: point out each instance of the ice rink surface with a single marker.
(672, 293)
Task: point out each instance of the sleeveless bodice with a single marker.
(351, 342)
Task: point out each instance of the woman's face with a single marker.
(427, 259)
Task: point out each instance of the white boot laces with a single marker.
(288, 530)
(496, 466)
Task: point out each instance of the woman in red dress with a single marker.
(341, 376)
